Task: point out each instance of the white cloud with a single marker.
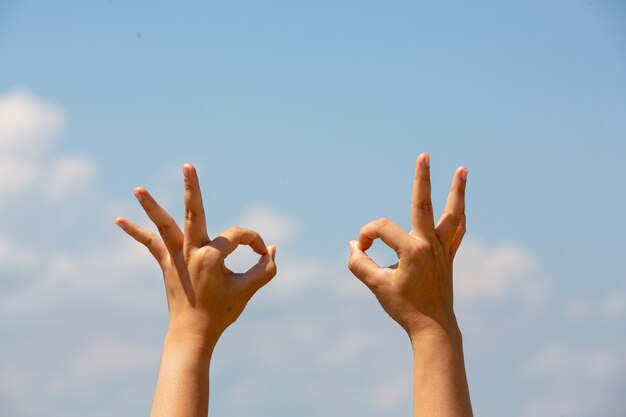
(323, 349)
(565, 361)
(115, 273)
(579, 381)
(69, 175)
(17, 173)
(496, 273)
(54, 316)
(84, 370)
(14, 255)
(614, 305)
(392, 393)
(611, 306)
(28, 127)
(295, 276)
(27, 123)
(105, 355)
(273, 227)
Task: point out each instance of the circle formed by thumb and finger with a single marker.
(262, 272)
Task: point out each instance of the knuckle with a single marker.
(382, 223)
(425, 206)
(188, 214)
(149, 241)
(164, 229)
(190, 185)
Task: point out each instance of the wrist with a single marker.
(436, 334)
(190, 342)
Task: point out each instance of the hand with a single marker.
(417, 291)
(204, 297)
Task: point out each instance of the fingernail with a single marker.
(464, 174)
(186, 170)
(427, 161)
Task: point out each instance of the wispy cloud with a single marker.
(577, 381)
(497, 273)
(29, 128)
(28, 124)
(272, 226)
(608, 307)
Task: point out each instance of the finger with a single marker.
(261, 273)
(458, 236)
(195, 224)
(455, 207)
(145, 237)
(228, 241)
(363, 267)
(389, 232)
(167, 227)
(421, 204)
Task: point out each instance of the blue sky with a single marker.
(304, 120)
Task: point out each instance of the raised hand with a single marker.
(417, 291)
(204, 296)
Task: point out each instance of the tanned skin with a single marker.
(203, 295)
(417, 291)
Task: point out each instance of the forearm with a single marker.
(440, 383)
(183, 384)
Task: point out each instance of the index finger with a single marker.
(228, 241)
(195, 222)
(386, 230)
(421, 204)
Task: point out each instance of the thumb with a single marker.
(362, 266)
(263, 272)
